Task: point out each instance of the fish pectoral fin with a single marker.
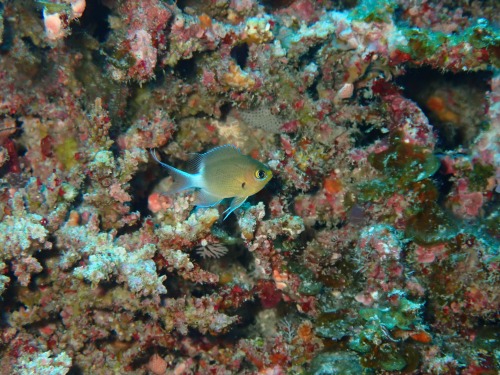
(235, 203)
(205, 199)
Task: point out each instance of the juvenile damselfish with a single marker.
(223, 172)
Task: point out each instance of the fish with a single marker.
(223, 172)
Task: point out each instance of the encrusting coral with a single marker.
(373, 249)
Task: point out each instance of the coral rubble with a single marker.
(373, 250)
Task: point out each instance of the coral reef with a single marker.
(373, 250)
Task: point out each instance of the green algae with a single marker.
(343, 362)
(309, 287)
(431, 226)
(374, 190)
(482, 35)
(52, 8)
(403, 317)
(66, 151)
(374, 342)
(424, 43)
(404, 161)
(372, 333)
(333, 325)
(393, 361)
(479, 176)
(374, 11)
(404, 167)
(364, 342)
(385, 356)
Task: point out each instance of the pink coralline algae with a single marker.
(373, 249)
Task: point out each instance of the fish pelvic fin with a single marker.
(235, 203)
(182, 180)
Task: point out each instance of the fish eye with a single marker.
(260, 174)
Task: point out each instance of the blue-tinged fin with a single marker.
(235, 203)
(214, 156)
(182, 180)
(204, 199)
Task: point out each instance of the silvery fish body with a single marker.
(223, 172)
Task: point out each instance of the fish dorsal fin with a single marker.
(215, 155)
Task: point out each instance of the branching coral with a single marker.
(372, 249)
(22, 235)
(42, 363)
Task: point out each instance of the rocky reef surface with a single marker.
(373, 250)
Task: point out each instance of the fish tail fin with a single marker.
(182, 180)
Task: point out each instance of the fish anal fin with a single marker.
(235, 203)
(205, 199)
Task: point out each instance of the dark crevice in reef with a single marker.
(311, 55)
(175, 285)
(278, 5)
(312, 90)
(186, 69)
(141, 186)
(75, 370)
(307, 58)
(8, 36)
(454, 103)
(240, 54)
(444, 184)
(94, 21)
(366, 134)
(9, 301)
(224, 110)
(343, 4)
(273, 5)
(183, 4)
